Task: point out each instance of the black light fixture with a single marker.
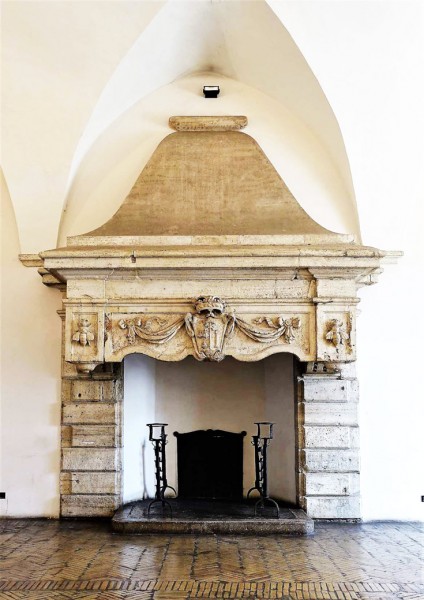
(211, 91)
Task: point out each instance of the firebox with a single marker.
(210, 464)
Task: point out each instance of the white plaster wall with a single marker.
(190, 395)
(139, 409)
(280, 399)
(30, 383)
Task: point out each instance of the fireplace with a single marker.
(210, 259)
(210, 464)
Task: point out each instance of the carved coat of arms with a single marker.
(209, 328)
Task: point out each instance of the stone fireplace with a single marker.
(210, 256)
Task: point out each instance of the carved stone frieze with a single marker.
(210, 332)
(279, 327)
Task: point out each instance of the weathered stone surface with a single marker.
(332, 484)
(330, 460)
(89, 436)
(79, 505)
(333, 507)
(330, 390)
(91, 459)
(90, 483)
(89, 413)
(317, 413)
(330, 437)
(341, 288)
(208, 123)
(86, 390)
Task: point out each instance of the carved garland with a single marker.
(209, 328)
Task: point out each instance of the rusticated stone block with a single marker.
(330, 460)
(85, 436)
(94, 505)
(333, 507)
(88, 413)
(330, 437)
(331, 484)
(328, 389)
(89, 483)
(89, 390)
(86, 390)
(324, 413)
(90, 459)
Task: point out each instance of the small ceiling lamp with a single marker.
(211, 91)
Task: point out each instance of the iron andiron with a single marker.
(261, 442)
(158, 437)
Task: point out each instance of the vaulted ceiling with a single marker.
(89, 85)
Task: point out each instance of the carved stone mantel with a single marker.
(189, 267)
(258, 300)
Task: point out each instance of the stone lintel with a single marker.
(208, 123)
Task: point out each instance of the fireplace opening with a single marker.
(193, 396)
(210, 464)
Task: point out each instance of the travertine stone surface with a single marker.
(83, 436)
(337, 461)
(209, 183)
(89, 505)
(328, 444)
(82, 412)
(207, 123)
(333, 507)
(91, 459)
(90, 483)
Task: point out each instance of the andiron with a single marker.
(158, 437)
(260, 443)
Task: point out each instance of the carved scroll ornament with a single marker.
(209, 327)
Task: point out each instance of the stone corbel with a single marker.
(84, 338)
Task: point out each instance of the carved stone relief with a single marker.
(205, 333)
(84, 335)
(337, 333)
(336, 338)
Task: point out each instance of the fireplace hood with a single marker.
(209, 255)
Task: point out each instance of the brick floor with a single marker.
(49, 560)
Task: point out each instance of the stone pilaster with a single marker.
(90, 482)
(328, 442)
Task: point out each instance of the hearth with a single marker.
(211, 517)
